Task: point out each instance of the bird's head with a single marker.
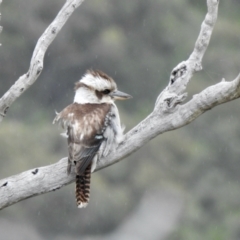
(97, 87)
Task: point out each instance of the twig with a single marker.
(36, 64)
(169, 113)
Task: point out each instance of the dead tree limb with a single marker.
(36, 64)
(169, 114)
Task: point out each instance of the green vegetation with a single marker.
(137, 43)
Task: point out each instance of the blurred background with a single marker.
(184, 184)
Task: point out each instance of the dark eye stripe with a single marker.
(106, 91)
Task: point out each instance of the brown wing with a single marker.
(81, 155)
(85, 127)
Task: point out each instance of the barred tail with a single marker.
(83, 188)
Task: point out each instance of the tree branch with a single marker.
(169, 114)
(36, 64)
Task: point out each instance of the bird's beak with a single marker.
(117, 95)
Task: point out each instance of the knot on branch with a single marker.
(39, 70)
(178, 72)
(54, 30)
(180, 77)
(168, 101)
(4, 110)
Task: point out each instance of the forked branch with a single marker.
(169, 113)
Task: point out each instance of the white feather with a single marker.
(97, 83)
(64, 134)
(85, 95)
(82, 205)
(94, 163)
(113, 134)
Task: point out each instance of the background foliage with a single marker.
(137, 43)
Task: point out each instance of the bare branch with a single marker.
(168, 114)
(49, 178)
(36, 64)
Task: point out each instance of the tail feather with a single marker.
(83, 187)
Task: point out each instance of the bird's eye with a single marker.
(106, 91)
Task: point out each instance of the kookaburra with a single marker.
(92, 126)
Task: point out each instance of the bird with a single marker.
(93, 127)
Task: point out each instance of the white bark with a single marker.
(169, 113)
(36, 64)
